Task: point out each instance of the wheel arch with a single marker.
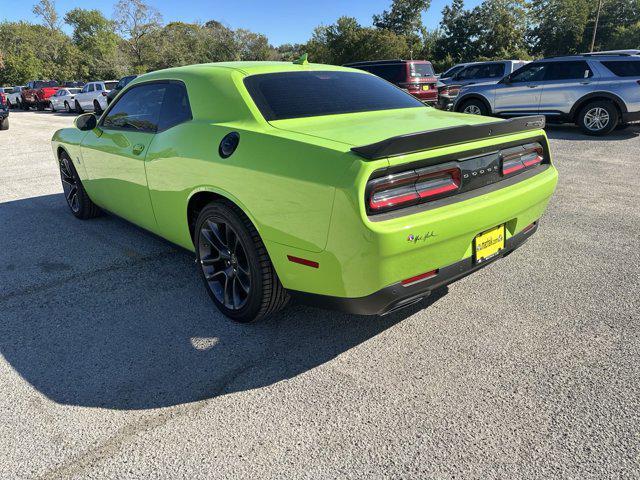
(202, 196)
(594, 97)
(472, 96)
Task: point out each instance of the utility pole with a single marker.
(595, 26)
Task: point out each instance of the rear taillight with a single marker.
(521, 158)
(450, 91)
(411, 187)
(104, 94)
(3, 99)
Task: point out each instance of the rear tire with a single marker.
(474, 107)
(4, 124)
(97, 108)
(40, 106)
(79, 202)
(235, 266)
(67, 107)
(598, 118)
(25, 106)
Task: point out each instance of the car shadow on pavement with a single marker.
(572, 132)
(103, 314)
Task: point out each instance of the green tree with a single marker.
(404, 17)
(460, 30)
(138, 22)
(95, 38)
(558, 26)
(502, 26)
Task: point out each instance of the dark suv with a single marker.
(123, 82)
(415, 76)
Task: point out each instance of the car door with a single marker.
(519, 93)
(82, 95)
(565, 83)
(114, 154)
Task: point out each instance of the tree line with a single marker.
(136, 40)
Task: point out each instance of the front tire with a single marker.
(97, 108)
(235, 266)
(598, 118)
(4, 124)
(474, 107)
(79, 108)
(79, 202)
(67, 107)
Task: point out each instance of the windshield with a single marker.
(310, 94)
(73, 90)
(421, 70)
(45, 84)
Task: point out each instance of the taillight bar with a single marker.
(521, 158)
(409, 187)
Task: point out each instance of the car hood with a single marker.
(369, 127)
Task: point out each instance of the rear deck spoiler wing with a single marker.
(419, 141)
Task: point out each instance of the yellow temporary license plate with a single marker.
(425, 87)
(488, 244)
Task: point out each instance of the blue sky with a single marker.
(281, 20)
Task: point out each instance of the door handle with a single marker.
(585, 83)
(532, 86)
(138, 148)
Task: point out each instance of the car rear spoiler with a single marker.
(441, 137)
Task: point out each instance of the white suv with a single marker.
(94, 96)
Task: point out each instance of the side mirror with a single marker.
(86, 122)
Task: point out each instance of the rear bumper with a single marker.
(397, 296)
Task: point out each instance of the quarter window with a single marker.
(624, 68)
(175, 106)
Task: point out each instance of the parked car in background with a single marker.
(452, 71)
(415, 76)
(93, 96)
(4, 111)
(478, 72)
(123, 82)
(318, 182)
(597, 92)
(64, 99)
(37, 93)
(73, 84)
(13, 99)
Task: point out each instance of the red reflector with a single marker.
(528, 227)
(532, 161)
(419, 278)
(303, 261)
(511, 167)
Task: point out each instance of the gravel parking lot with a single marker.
(115, 364)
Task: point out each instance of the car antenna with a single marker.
(302, 60)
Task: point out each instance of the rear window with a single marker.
(391, 72)
(421, 70)
(629, 68)
(310, 94)
(45, 84)
(110, 85)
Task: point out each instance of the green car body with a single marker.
(303, 187)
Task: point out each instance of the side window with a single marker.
(568, 71)
(91, 87)
(624, 68)
(494, 70)
(533, 72)
(469, 72)
(175, 106)
(391, 73)
(98, 87)
(85, 89)
(138, 109)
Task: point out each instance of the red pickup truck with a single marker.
(37, 93)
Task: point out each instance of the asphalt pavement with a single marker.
(114, 363)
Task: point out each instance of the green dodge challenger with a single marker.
(310, 181)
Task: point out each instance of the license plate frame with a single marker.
(489, 244)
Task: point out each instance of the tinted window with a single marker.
(568, 71)
(137, 109)
(421, 70)
(310, 94)
(91, 87)
(110, 85)
(73, 90)
(39, 84)
(391, 73)
(98, 87)
(481, 71)
(175, 106)
(533, 72)
(627, 68)
(452, 71)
